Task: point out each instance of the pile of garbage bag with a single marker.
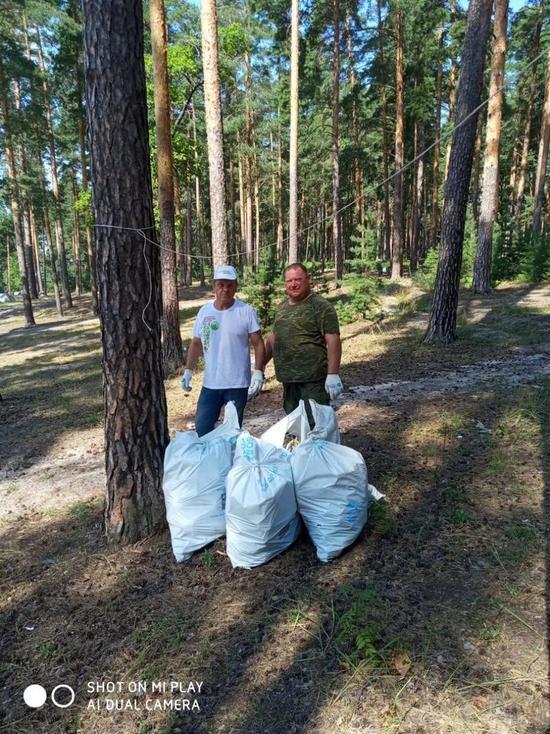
(255, 490)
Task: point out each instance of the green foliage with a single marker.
(358, 630)
(364, 252)
(425, 275)
(261, 288)
(360, 302)
(526, 258)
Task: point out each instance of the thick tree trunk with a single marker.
(442, 323)
(14, 199)
(397, 230)
(489, 199)
(336, 226)
(476, 172)
(58, 219)
(542, 159)
(214, 130)
(172, 350)
(293, 153)
(128, 269)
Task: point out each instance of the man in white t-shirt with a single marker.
(222, 333)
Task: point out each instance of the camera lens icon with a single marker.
(61, 696)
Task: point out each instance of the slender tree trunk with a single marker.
(542, 159)
(136, 431)
(418, 197)
(336, 225)
(397, 233)
(453, 76)
(188, 272)
(198, 205)
(357, 182)
(84, 173)
(8, 264)
(280, 226)
(434, 222)
(293, 154)
(442, 323)
(48, 233)
(385, 144)
(489, 200)
(233, 243)
(58, 220)
(14, 199)
(40, 282)
(76, 237)
(476, 171)
(172, 350)
(214, 130)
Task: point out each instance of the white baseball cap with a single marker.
(225, 272)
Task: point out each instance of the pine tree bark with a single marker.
(172, 350)
(442, 322)
(128, 269)
(453, 76)
(293, 152)
(489, 198)
(542, 158)
(214, 130)
(14, 199)
(76, 237)
(397, 229)
(336, 219)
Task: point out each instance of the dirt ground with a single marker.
(434, 621)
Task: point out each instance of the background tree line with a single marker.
(376, 86)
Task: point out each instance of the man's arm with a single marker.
(334, 353)
(259, 350)
(193, 354)
(268, 342)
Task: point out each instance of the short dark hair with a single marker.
(294, 266)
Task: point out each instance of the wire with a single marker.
(378, 185)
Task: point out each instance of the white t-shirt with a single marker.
(224, 335)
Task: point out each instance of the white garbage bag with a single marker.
(195, 470)
(261, 513)
(297, 424)
(330, 480)
(332, 492)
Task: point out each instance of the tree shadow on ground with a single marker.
(294, 646)
(413, 626)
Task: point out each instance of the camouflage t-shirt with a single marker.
(300, 352)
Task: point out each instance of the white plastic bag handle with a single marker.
(230, 416)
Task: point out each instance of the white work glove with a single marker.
(186, 380)
(333, 385)
(256, 384)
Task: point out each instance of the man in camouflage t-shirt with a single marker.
(305, 343)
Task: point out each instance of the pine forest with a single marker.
(337, 126)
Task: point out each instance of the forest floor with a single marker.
(433, 622)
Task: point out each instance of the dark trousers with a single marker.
(211, 403)
(293, 392)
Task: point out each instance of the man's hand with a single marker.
(256, 384)
(186, 380)
(333, 385)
